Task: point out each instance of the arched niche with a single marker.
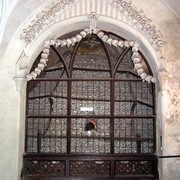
(120, 28)
(103, 25)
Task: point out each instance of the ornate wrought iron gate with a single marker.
(102, 78)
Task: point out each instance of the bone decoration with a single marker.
(136, 57)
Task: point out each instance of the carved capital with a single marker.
(163, 77)
(20, 81)
(23, 61)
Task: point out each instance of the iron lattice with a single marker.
(123, 109)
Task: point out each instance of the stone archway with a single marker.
(81, 24)
(74, 167)
(108, 20)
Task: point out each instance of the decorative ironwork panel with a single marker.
(46, 135)
(134, 135)
(90, 168)
(44, 168)
(133, 98)
(94, 94)
(54, 71)
(86, 63)
(90, 142)
(47, 97)
(134, 168)
(88, 104)
(126, 64)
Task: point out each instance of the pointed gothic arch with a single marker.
(116, 27)
(105, 73)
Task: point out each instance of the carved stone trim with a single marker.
(43, 19)
(135, 17)
(124, 10)
(140, 21)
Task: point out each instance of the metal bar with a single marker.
(122, 156)
(53, 69)
(112, 114)
(78, 98)
(73, 58)
(140, 177)
(107, 54)
(119, 61)
(89, 116)
(91, 69)
(138, 141)
(69, 118)
(62, 59)
(84, 137)
(38, 142)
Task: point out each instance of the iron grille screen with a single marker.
(97, 76)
